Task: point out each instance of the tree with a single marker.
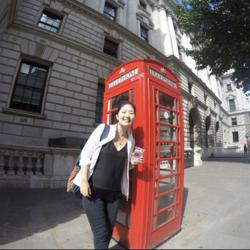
(219, 32)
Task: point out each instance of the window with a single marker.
(190, 86)
(235, 136)
(143, 4)
(99, 101)
(205, 98)
(217, 126)
(110, 47)
(232, 106)
(234, 121)
(50, 21)
(110, 11)
(229, 87)
(29, 87)
(180, 50)
(144, 33)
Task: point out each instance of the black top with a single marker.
(109, 167)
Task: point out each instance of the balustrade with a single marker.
(21, 162)
(35, 167)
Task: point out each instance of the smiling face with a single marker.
(126, 115)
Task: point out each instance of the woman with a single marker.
(105, 168)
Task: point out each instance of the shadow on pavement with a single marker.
(24, 212)
(185, 197)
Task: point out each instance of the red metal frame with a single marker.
(152, 214)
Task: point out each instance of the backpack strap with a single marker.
(104, 135)
(105, 132)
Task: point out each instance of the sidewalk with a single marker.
(216, 214)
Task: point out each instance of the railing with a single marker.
(21, 162)
(35, 166)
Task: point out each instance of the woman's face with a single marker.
(126, 115)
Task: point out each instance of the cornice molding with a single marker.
(107, 23)
(142, 17)
(114, 26)
(104, 21)
(238, 112)
(64, 40)
(40, 149)
(184, 67)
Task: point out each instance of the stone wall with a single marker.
(76, 62)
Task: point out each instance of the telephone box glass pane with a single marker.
(167, 101)
(166, 200)
(165, 216)
(168, 150)
(115, 100)
(167, 116)
(167, 133)
(162, 204)
(165, 184)
(167, 167)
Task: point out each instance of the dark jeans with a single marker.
(101, 214)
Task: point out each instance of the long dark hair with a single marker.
(120, 104)
(123, 103)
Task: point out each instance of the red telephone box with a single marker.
(153, 212)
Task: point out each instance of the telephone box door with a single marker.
(167, 163)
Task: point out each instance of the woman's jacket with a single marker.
(91, 151)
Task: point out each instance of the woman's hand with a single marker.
(137, 156)
(136, 160)
(85, 189)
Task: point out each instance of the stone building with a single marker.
(236, 132)
(54, 57)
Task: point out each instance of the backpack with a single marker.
(71, 187)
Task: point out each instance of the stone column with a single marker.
(132, 7)
(165, 32)
(156, 35)
(172, 35)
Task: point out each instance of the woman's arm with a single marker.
(85, 159)
(90, 145)
(85, 188)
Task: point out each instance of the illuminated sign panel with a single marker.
(123, 78)
(162, 78)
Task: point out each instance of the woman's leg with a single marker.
(112, 211)
(97, 217)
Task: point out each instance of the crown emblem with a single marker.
(122, 70)
(163, 71)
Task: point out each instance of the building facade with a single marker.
(237, 104)
(54, 58)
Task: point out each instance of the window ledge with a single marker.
(23, 113)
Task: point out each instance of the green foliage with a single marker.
(219, 32)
